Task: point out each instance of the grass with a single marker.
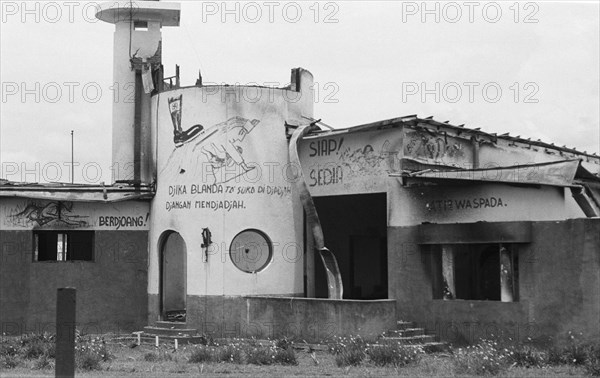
(131, 363)
(278, 358)
(395, 355)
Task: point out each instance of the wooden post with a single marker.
(65, 332)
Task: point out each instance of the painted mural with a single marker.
(222, 166)
(181, 136)
(354, 163)
(222, 147)
(37, 214)
(350, 164)
(218, 167)
(51, 213)
(228, 151)
(436, 148)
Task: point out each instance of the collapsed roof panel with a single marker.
(76, 192)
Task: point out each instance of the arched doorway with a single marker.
(173, 268)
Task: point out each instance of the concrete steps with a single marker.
(174, 325)
(406, 333)
(168, 332)
(401, 324)
(159, 331)
(421, 339)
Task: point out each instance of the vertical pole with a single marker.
(475, 143)
(72, 159)
(65, 332)
(137, 127)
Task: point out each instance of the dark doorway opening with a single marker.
(355, 229)
(173, 285)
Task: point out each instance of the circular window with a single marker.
(251, 251)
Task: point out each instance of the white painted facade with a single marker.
(230, 177)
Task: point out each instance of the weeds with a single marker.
(572, 352)
(485, 358)
(158, 356)
(352, 351)
(394, 354)
(44, 362)
(349, 351)
(36, 345)
(250, 352)
(259, 355)
(528, 357)
(578, 353)
(86, 360)
(482, 359)
(230, 353)
(592, 366)
(41, 348)
(202, 354)
(8, 348)
(90, 352)
(286, 356)
(9, 362)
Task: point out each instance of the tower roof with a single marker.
(116, 11)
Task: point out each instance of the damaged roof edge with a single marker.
(77, 197)
(566, 173)
(415, 121)
(76, 192)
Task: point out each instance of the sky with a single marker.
(528, 68)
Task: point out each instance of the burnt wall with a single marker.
(309, 319)
(111, 290)
(15, 265)
(559, 287)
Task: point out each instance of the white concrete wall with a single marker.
(244, 126)
(355, 163)
(144, 44)
(409, 206)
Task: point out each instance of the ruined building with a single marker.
(243, 215)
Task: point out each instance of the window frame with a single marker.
(66, 253)
(439, 286)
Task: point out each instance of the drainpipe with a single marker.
(137, 128)
(475, 143)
